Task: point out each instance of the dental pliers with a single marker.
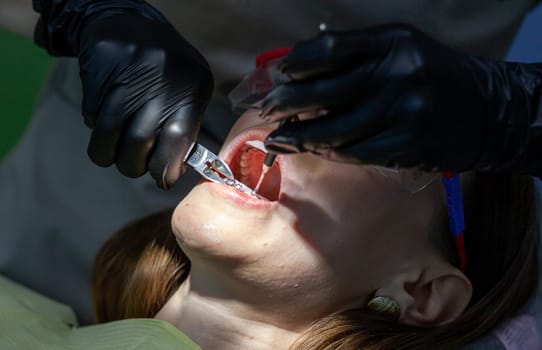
(214, 169)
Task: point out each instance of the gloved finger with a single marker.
(293, 98)
(334, 130)
(338, 127)
(96, 83)
(166, 164)
(389, 148)
(90, 106)
(302, 96)
(333, 51)
(139, 138)
(111, 120)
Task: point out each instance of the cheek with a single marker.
(351, 217)
(380, 233)
(208, 227)
(331, 206)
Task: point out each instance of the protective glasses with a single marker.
(411, 179)
(256, 85)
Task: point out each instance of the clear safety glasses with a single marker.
(256, 85)
(413, 180)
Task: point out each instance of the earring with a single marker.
(386, 306)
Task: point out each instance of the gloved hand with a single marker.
(145, 88)
(394, 96)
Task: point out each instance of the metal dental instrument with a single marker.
(268, 162)
(214, 169)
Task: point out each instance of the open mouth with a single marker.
(246, 166)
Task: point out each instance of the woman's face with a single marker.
(332, 234)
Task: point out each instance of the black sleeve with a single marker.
(522, 132)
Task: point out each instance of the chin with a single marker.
(208, 225)
(218, 220)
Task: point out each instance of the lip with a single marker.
(241, 199)
(227, 154)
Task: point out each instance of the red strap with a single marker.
(460, 244)
(265, 57)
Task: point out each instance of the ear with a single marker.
(434, 297)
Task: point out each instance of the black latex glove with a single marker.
(145, 88)
(394, 96)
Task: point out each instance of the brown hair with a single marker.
(501, 242)
(137, 270)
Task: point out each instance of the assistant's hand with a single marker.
(394, 96)
(145, 88)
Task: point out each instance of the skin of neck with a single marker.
(215, 320)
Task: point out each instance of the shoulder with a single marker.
(150, 334)
(31, 321)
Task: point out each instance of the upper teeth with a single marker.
(256, 144)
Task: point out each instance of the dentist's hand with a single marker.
(394, 96)
(145, 87)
